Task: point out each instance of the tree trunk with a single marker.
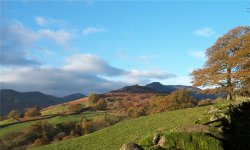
(229, 96)
(229, 85)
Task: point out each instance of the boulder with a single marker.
(162, 141)
(156, 139)
(213, 110)
(131, 146)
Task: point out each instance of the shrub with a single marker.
(88, 126)
(39, 130)
(66, 127)
(94, 97)
(59, 136)
(66, 138)
(204, 102)
(32, 112)
(220, 100)
(100, 122)
(14, 114)
(101, 105)
(113, 119)
(74, 108)
(179, 99)
(40, 141)
(135, 112)
(13, 139)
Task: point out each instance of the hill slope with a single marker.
(10, 99)
(157, 87)
(113, 137)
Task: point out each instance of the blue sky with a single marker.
(60, 47)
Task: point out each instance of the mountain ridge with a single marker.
(11, 99)
(158, 88)
(154, 87)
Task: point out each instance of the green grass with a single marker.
(60, 109)
(7, 121)
(132, 130)
(54, 110)
(183, 140)
(55, 120)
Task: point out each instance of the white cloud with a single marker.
(56, 81)
(197, 54)
(92, 30)
(41, 21)
(81, 73)
(91, 64)
(150, 74)
(61, 37)
(179, 80)
(15, 45)
(205, 32)
(19, 42)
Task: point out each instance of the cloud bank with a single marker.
(80, 72)
(85, 73)
(19, 42)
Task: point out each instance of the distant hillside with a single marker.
(135, 89)
(10, 99)
(157, 87)
(72, 97)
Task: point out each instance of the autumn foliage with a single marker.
(176, 100)
(228, 63)
(32, 112)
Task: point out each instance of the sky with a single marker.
(65, 47)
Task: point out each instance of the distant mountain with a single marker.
(73, 97)
(169, 88)
(135, 89)
(10, 99)
(157, 87)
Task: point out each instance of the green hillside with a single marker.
(113, 137)
(55, 120)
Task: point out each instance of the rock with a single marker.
(213, 110)
(162, 141)
(131, 146)
(156, 139)
(213, 118)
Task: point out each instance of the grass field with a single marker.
(54, 110)
(113, 137)
(7, 121)
(55, 120)
(60, 108)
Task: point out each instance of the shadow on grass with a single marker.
(237, 132)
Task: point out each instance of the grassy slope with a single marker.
(54, 110)
(7, 121)
(55, 120)
(113, 137)
(64, 106)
